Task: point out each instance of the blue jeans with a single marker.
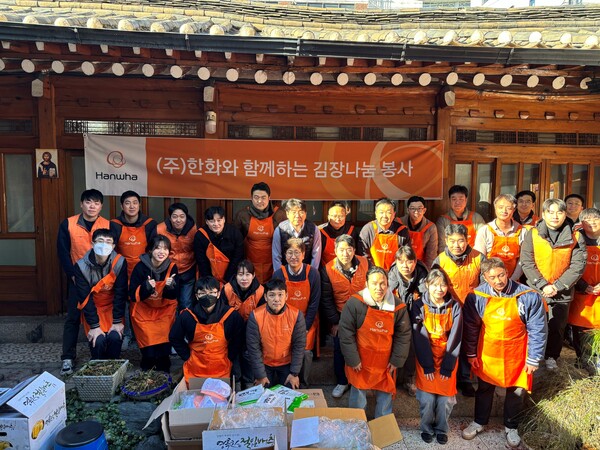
(186, 292)
(338, 362)
(107, 346)
(435, 411)
(358, 399)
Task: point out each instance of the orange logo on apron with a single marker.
(132, 243)
(298, 297)
(258, 245)
(384, 247)
(584, 310)
(218, 261)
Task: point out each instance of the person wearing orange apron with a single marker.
(584, 311)
(436, 320)
(461, 264)
(101, 282)
(276, 338)
(502, 237)
(336, 226)
(423, 232)
(153, 291)
(525, 214)
(504, 336)
(219, 246)
(459, 213)
(257, 224)
(553, 258)
(304, 293)
(180, 228)
(374, 333)
(209, 335)
(73, 242)
(340, 279)
(381, 238)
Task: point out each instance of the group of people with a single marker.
(444, 301)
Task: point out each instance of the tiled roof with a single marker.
(558, 27)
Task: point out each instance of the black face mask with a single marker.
(206, 301)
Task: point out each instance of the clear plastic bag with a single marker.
(348, 434)
(249, 418)
(216, 388)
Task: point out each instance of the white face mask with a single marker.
(103, 249)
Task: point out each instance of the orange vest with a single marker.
(551, 262)
(218, 261)
(468, 222)
(299, 297)
(276, 334)
(374, 340)
(530, 225)
(463, 279)
(342, 287)
(208, 351)
(243, 307)
(584, 310)
(416, 240)
(507, 249)
(438, 327)
(258, 245)
(329, 250)
(103, 299)
(384, 247)
(153, 318)
(502, 347)
(182, 247)
(132, 243)
(81, 238)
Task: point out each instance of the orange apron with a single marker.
(218, 261)
(329, 250)
(103, 299)
(502, 347)
(208, 351)
(585, 308)
(182, 247)
(258, 245)
(342, 287)
(153, 318)
(243, 307)
(463, 279)
(507, 249)
(468, 222)
(438, 326)
(81, 238)
(298, 297)
(132, 243)
(416, 239)
(374, 340)
(384, 247)
(276, 334)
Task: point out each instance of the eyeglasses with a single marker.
(421, 209)
(293, 253)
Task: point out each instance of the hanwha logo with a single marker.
(107, 287)
(209, 337)
(506, 249)
(379, 324)
(116, 159)
(501, 312)
(131, 238)
(297, 293)
(595, 258)
(260, 228)
(384, 246)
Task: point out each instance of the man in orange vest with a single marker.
(504, 336)
(460, 214)
(584, 311)
(257, 224)
(380, 239)
(502, 237)
(218, 246)
(336, 226)
(73, 242)
(101, 282)
(525, 214)
(209, 335)
(341, 278)
(423, 232)
(553, 257)
(275, 338)
(375, 335)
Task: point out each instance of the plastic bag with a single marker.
(348, 434)
(216, 388)
(248, 418)
(188, 400)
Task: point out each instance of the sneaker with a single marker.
(428, 438)
(472, 430)
(551, 364)
(67, 367)
(442, 438)
(339, 390)
(512, 437)
(125, 343)
(466, 389)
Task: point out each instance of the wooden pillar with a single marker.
(444, 133)
(52, 206)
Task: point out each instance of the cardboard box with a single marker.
(178, 444)
(184, 423)
(316, 395)
(384, 430)
(246, 438)
(33, 412)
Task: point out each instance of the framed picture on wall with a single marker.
(47, 166)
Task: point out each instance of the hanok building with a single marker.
(510, 92)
